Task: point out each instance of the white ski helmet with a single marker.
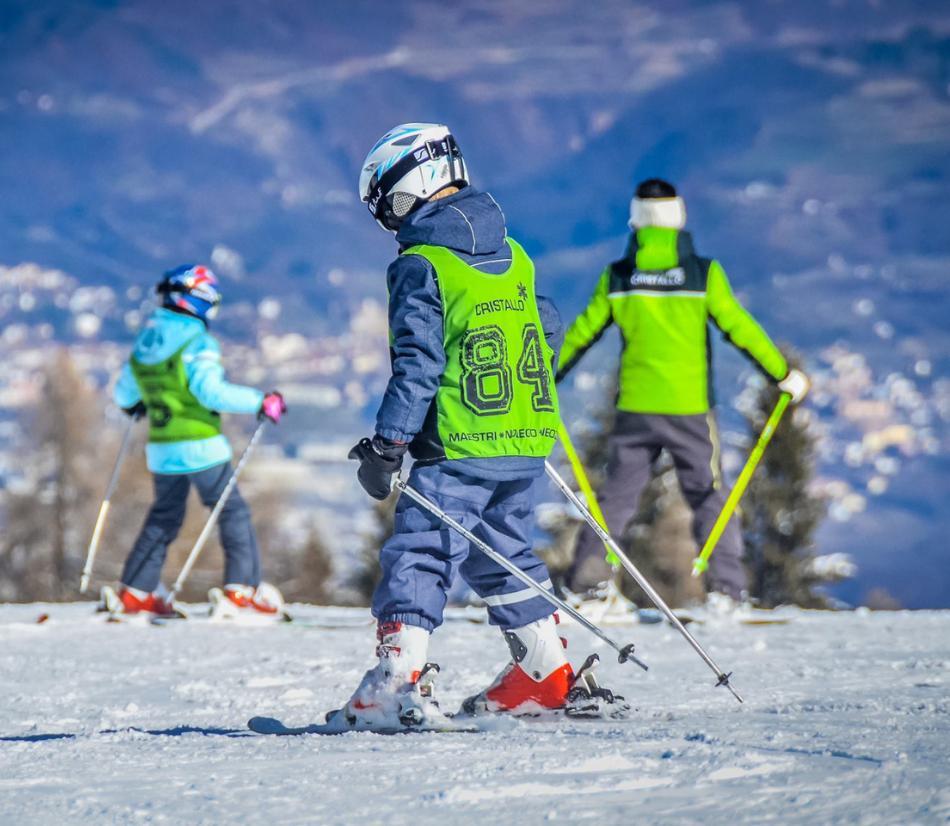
(406, 167)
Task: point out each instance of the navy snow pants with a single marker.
(242, 566)
(420, 560)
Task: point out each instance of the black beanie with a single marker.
(656, 188)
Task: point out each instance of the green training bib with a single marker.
(174, 414)
(496, 396)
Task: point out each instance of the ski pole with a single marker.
(701, 563)
(625, 652)
(640, 579)
(215, 513)
(104, 507)
(583, 481)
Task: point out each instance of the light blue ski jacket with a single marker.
(163, 334)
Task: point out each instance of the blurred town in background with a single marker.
(810, 141)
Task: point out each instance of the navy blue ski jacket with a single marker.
(472, 225)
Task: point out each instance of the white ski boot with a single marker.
(604, 604)
(723, 609)
(398, 692)
(719, 604)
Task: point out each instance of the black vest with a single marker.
(690, 272)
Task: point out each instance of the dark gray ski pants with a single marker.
(633, 447)
(242, 565)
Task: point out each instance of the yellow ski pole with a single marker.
(583, 483)
(701, 563)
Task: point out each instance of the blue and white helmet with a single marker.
(191, 288)
(406, 167)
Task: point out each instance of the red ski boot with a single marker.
(134, 601)
(538, 678)
(539, 681)
(245, 601)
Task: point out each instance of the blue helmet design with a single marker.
(406, 167)
(191, 288)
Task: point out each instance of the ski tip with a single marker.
(266, 725)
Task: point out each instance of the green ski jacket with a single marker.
(662, 297)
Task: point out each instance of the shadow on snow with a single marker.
(176, 731)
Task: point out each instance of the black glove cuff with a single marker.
(389, 449)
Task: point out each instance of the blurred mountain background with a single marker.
(810, 139)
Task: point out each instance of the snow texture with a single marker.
(846, 720)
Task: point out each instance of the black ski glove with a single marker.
(379, 459)
(136, 411)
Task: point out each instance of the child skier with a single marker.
(472, 399)
(175, 377)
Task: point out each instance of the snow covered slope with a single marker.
(847, 720)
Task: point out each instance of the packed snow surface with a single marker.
(846, 720)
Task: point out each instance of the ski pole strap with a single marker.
(583, 482)
(701, 563)
(625, 653)
(104, 508)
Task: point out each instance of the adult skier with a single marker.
(175, 377)
(662, 296)
(472, 400)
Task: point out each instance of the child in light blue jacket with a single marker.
(175, 377)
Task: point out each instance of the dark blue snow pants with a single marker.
(242, 566)
(420, 560)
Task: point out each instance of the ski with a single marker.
(285, 620)
(330, 623)
(755, 619)
(249, 621)
(111, 613)
(273, 726)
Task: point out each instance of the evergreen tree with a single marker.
(44, 535)
(590, 434)
(779, 513)
(305, 572)
(367, 575)
(316, 564)
(659, 541)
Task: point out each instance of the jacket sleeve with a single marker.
(206, 380)
(126, 392)
(587, 328)
(551, 324)
(416, 347)
(738, 325)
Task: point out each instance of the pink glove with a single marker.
(273, 407)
